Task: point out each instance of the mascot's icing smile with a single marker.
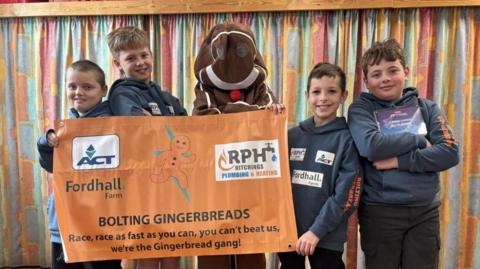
(231, 72)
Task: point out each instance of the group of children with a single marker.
(397, 173)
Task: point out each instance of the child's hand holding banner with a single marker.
(139, 187)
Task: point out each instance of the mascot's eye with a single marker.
(242, 50)
(178, 141)
(220, 53)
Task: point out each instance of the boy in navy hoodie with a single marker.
(85, 89)
(403, 141)
(325, 174)
(136, 95)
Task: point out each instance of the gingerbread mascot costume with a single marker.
(231, 72)
(231, 78)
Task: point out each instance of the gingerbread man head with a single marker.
(229, 60)
(180, 144)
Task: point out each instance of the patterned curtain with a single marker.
(443, 52)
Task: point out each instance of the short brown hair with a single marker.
(86, 66)
(327, 69)
(388, 50)
(129, 37)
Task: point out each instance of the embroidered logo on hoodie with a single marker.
(154, 108)
(325, 157)
(307, 178)
(297, 154)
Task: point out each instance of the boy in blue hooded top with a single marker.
(325, 174)
(398, 216)
(136, 95)
(85, 89)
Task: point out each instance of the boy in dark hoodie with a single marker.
(325, 174)
(399, 216)
(136, 95)
(85, 89)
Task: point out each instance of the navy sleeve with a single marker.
(443, 153)
(346, 197)
(45, 153)
(179, 109)
(374, 145)
(125, 102)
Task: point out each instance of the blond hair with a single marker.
(126, 38)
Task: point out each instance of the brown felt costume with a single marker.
(231, 78)
(231, 72)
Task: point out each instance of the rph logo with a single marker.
(247, 160)
(95, 152)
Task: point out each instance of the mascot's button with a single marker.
(235, 95)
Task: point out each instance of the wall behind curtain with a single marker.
(442, 47)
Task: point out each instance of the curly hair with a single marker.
(388, 50)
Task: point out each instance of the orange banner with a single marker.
(140, 187)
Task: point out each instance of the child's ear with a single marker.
(407, 71)
(344, 95)
(116, 63)
(306, 94)
(105, 90)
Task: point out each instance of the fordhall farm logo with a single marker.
(247, 160)
(95, 152)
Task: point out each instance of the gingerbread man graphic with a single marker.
(170, 163)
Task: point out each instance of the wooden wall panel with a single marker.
(208, 6)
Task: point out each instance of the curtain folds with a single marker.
(442, 46)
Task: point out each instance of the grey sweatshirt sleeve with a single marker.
(45, 153)
(374, 145)
(443, 153)
(345, 199)
(124, 102)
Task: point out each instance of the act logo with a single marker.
(95, 152)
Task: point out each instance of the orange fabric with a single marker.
(139, 187)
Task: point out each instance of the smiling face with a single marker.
(135, 63)
(386, 80)
(83, 90)
(324, 97)
(180, 143)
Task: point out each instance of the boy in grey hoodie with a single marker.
(326, 181)
(399, 216)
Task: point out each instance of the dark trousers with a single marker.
(241, 261)
(58, 261)
(394, 237)
(321, 259)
